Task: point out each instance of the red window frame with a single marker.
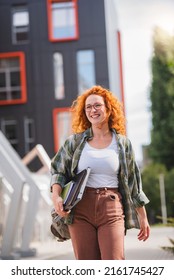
(23, 98)
(50, 26)
(55, 126)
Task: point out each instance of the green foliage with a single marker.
(169, 190)
(150, 180)
(161, 149)
(170, 222)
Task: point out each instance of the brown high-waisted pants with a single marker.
(97, 231)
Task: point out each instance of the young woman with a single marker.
(113, 200)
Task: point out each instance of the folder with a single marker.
(73, 191)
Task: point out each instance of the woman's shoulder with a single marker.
(74, 140)
(76, 136)
(121, 137)
(123, 140)
(80, 135)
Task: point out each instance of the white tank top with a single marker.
(104, 164)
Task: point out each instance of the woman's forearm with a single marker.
(141, 212)
(56, 190)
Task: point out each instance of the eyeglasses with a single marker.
(96, 106)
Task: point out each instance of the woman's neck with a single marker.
(101, 131)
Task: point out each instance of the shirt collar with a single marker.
(89, 134)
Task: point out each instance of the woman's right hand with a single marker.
(58, 201)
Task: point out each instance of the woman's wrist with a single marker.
(141, 212)
(56, 190)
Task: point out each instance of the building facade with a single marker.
(50, 52)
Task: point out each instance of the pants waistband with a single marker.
(98, 190)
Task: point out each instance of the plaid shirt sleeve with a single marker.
(134, 179)
(61, 164)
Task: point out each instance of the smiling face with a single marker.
(95, 109)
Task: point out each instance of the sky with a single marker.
(137, 20)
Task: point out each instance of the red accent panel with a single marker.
(23, 98)
(120, 68)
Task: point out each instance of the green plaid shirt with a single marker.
(64, 167)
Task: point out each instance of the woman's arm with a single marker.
(138, 196)
(58, 201)
(144, 225)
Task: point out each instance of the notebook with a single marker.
(73, 191)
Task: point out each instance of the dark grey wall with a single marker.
(39, 63)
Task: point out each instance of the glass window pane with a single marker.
(58, 76)
(22, 36)
(3, 63)
(30, 129)
(64, 126)
(12, 62)
(63, 16)
(15, 94)
(10, 79)
(11, 132)
(29, 134)
(14, 79)
(9, 128)
(85, 69)
(20, 24)
(20, 18)
(2, 80)
(3, 95)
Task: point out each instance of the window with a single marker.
(58, 76)
(62, 126)
(20, 24)
(62, 20)
(29, 134)
(12, 78)
(85, 69)
(9, 128)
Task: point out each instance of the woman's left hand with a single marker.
(144, 225)
(144, 230)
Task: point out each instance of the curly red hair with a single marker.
(114, 110)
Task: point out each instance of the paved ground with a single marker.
(134, 249)
(151, 248)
